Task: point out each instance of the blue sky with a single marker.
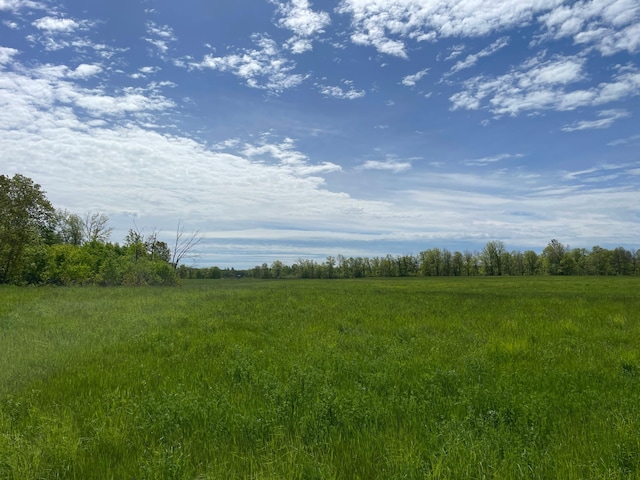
(296, 129)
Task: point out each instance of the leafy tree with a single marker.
(70, 228)
(71, 265)
(553, 255)
(134, 243)
(26, 219)
(157, 249)
(599, 261)
(580, 264)
(457, 264)
(530, 262)
(447, 259)
(470, 260)
(276, 269)
(621, 261)
(517, 263)
(507, 263)
(431, 262)
(491, 257)
(331, 265)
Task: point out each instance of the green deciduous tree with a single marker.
(492, 257)
(553, 255)
(26, 219)
(69, 228)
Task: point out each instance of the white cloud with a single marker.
(632, 140)
(390, 165)
(85, 71)
(11, 25)
(57, 33)
(472, 59)
(7, 54)
(52, 86)
(160, 36)
(290, 159)
(350, 93)
(16, 5)
(144, 72)
(597, 174)
(387, 24)
(481, 162)
(543, 85)
(411, 80)
(58, 25)
(455, 52)
(305, 23)
(609, 25)
(606, 120)
(299, 45)
(264, 68)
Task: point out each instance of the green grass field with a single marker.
(416, 378)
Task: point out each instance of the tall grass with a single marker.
(416, 378)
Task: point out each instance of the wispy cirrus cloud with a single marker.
(607, 118)
(485, 161)
(632, 140)
(390, 165)
(597, 174)
(411, 80)
(473, 59)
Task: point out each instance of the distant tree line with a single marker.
(42, 245)
(492, 260)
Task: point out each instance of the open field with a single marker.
(535, 377)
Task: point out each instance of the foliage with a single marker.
(25, 220)
(510, 377)
(41, 246)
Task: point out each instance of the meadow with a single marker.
(514, 377)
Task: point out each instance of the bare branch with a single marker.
(184, 245)
(95, 227)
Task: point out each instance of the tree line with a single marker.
(43, 245)
(492, 260)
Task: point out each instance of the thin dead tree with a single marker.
(95, 227)
(184, 245)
